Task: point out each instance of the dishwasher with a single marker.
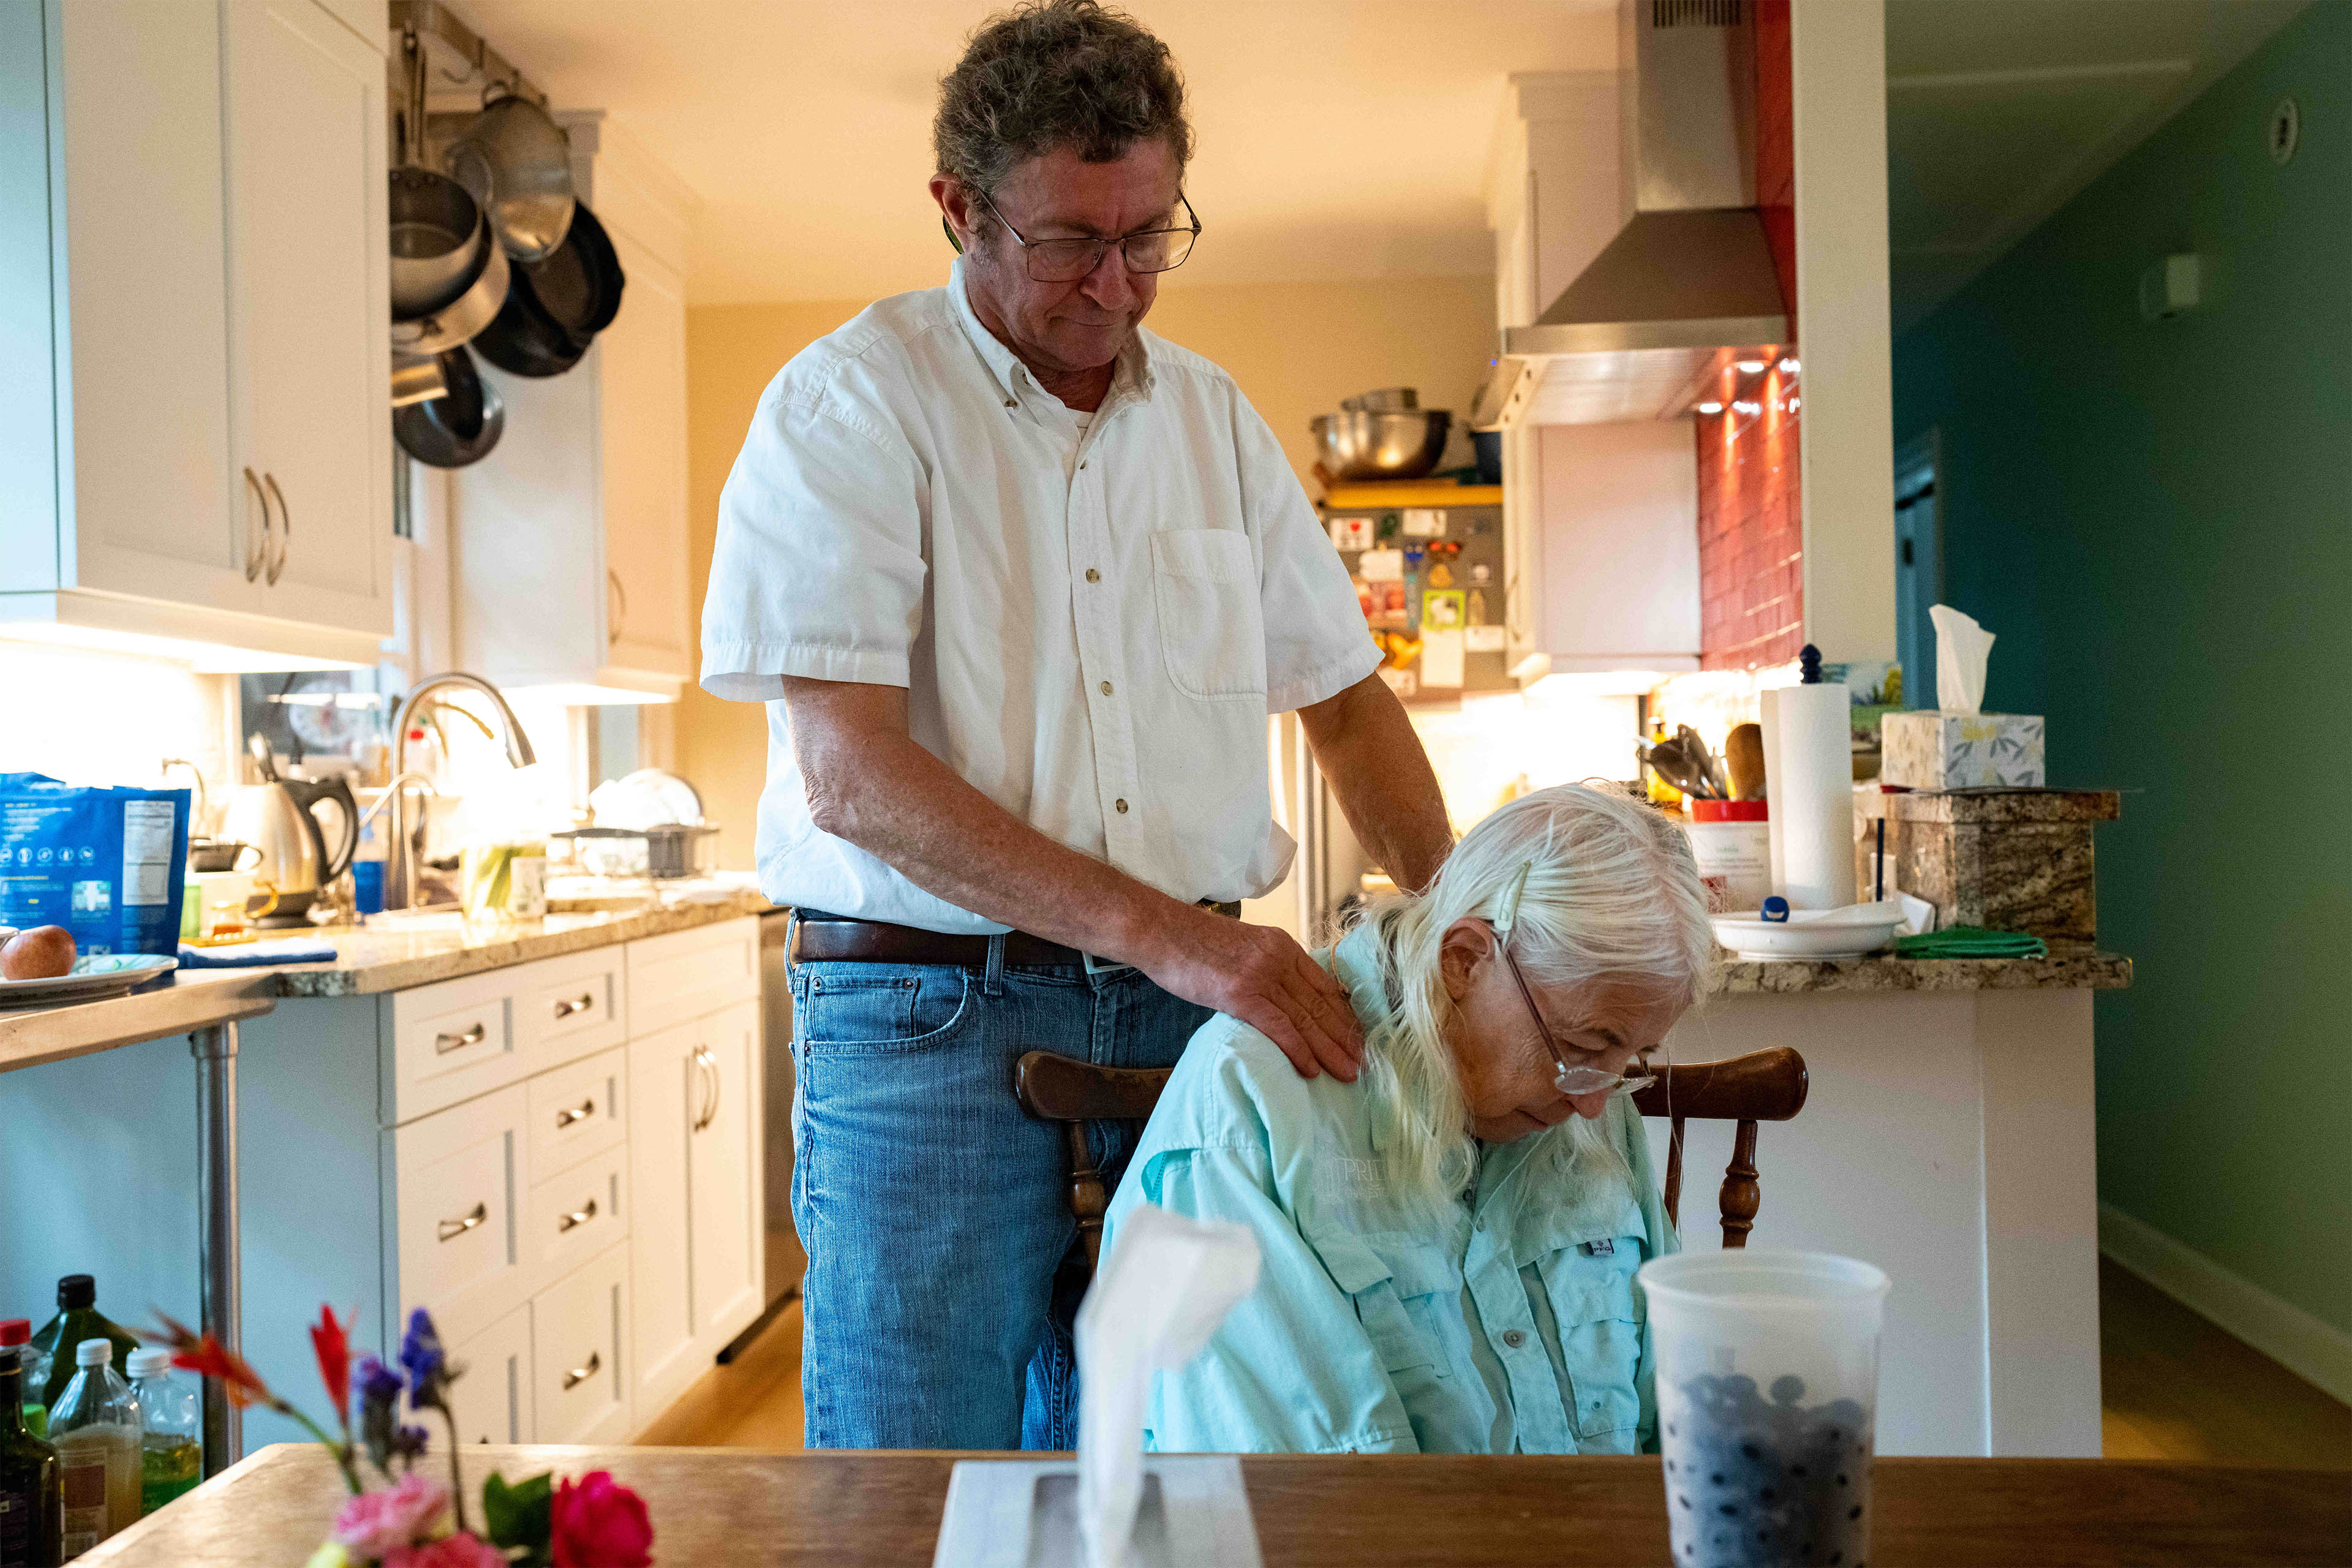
(785, 1260)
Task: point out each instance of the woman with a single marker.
(1450, 1243)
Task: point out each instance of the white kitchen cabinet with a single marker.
(697, 1132)
(569, 539)
(579, 1336)
(1615, 513)
(492, 1402)
(310, 356)
(192, 239)
(458, 1195)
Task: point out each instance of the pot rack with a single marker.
(461, 61)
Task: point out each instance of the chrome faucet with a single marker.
(400, 866)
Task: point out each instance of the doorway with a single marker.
(1918, 566)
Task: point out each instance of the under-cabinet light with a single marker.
(1710, 407)
(1751, 367)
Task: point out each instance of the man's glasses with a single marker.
(1068, 260)
(1568, 1079)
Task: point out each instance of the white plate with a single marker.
(105, 974)
(1831, 934)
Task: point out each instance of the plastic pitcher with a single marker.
(1768, 1396)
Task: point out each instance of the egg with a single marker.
(43, 952)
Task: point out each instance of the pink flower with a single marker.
(460, 1550)
(376, 1524)
(596, 1522)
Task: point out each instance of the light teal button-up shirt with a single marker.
(1509, 1324)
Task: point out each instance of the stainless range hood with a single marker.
(1688, 285)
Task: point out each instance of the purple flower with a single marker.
(375, 1383)
(427, 1364)
(408, 1442)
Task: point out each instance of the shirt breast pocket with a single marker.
(1211, 615)
(1600, 1320)
(1396, 1286)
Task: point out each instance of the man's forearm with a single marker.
(1367, 748)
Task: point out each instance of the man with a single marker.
(1020, 583)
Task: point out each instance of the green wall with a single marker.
(2155, 519)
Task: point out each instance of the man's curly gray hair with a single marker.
(1056, 73)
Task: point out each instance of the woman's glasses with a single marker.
(1567, 1079)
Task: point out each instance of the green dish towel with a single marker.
(1971, 942)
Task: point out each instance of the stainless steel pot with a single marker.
(443, 330)
(1359, 445)
(436, 232)
(516, 161)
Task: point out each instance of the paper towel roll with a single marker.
(1809, 782)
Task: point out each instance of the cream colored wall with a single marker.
(1296, 349)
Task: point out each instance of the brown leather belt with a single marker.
(835, 940)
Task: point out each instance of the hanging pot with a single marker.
(457, 428)
(555, 308)
(516, 161)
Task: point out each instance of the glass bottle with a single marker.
(77, 1320)
(32, 1372)
(172, 1451)
(29, 1477)
(95, 1429)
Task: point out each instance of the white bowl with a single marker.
(1848, 932)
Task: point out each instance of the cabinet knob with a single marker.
(451, 1229)
(580, 1374)
(444, 1043)
(581, 1112)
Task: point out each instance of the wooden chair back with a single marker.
(1763, 1086)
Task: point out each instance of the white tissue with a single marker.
(1165, 1286)
(1961, 648)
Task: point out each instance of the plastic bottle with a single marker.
(77, 1320)
(95, 1429)
(32, 1375)
(28, 1477)
(172, 1449)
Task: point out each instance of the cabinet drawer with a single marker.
(689, 973)
(576, 1214)
(451, 1042)
(577, 1330)
(574, 1111)
(491, 1404)
(566, 1007)
(458, 1198)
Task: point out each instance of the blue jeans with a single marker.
(935, 1213)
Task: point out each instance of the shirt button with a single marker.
(1092, 575)
(1106, 689)
(1120, 805)
(1514, 1338)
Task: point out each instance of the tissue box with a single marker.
(1961, 751)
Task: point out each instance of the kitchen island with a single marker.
(1949, 1138)
(744, 1509)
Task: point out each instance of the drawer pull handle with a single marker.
(451, 1229)
(444, 1043)
(706, 1068)
(580, 1374)
(570, 1114)
(568, 1006)
(576, 1219)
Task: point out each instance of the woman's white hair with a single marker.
(1612, 893)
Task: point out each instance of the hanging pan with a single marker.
(458, 428)
(448, 272)
(516, 161)
(555, 308)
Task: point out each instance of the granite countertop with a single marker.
(2067, 968)
(1992, 807)
(416, 950)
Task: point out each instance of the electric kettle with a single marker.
(278, 817)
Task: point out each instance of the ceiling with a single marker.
(1338, 139)
(1999, 110)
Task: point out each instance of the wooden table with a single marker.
(739, 1507)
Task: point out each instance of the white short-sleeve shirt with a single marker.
(1094, 644)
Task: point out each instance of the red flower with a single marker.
(596, 1522)
(332, 1341)
(208, 1357)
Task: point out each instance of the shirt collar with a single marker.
(1132, 379)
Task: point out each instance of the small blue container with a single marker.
(367, 887)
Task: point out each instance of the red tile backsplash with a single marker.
(1750, 512)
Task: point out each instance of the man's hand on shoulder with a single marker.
(1258, 974)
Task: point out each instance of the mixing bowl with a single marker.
(1357, 445)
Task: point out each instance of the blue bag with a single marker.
(108, 864)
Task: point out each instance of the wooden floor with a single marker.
(2176, 1387)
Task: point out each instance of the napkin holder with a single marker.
(1932, 749)
(1023, 1513)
